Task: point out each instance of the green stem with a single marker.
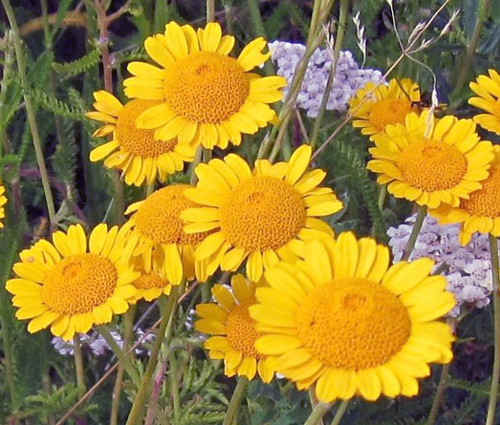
(174, 388)
(422, 212)
(471, 48)
(163, 335)
(275, 138)
(124, 360)
(210, 10)
(314, 401)
(30, 111)
(438, 398)
(234, 404)
(128, 325)
(492, 404)
(317, 414)
(339, 38)
(339, 414)
(80, 375)
(382, 195)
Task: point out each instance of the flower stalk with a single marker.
(30, 112)
(163, 335)
(495, 376)
(339, 414)
(339, 38)
(422, 213)
(318, 412)
(235, 403)
(80, 375)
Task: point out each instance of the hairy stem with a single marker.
(30, 111)
(339, 414)
(174, 388)
(471, 48)
(235, 403)
(80, 374)
(317, 414)
(210, 10)
(422, 212)
(128, 326)
(438, 398)
(164, 333)
(124, 360)
(339, 38)
(107, 70)
(492, 404)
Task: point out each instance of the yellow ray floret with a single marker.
(134, 151)
(346, 322)
(3, 201)
(375, 108)
(150, 285)
(203, 95)
(479, 213)
(488, 99)
(74, 282)
(429, 161)
(163, 244)
(262, 215)
(234, 330)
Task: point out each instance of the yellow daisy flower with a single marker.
(346, 321)
(74, 283)
(488, 91)
(234, 330)
(149, 285)
(159, 230)
(3, 201)
(263, 215)
(134, 151)
(479, 213)
(204, 95)
(387, 105)
(430, 161)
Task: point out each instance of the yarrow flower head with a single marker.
(234, 330)
(481, 211)
(203, 95)
(262, 215)
(3, 201)
(374, 108)
(166, 250)
(345, 320)
(430, 161)
(466, 268)
(73, 283)
(134, 151)
(348, 79)
(488, 99)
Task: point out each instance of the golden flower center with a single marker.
(149, 281)
(485, 202)
(389, 111)
(240, 329)
(353, 324)
(135, 140)
(158, 217)
(262, 213)
(206, 87)
(79, 283)
(431, 165)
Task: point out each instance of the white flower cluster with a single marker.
(348, 76)
(466, 268)
(96, 343)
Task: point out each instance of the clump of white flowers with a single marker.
(466, 268)
(348, 76)
(96, 343)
